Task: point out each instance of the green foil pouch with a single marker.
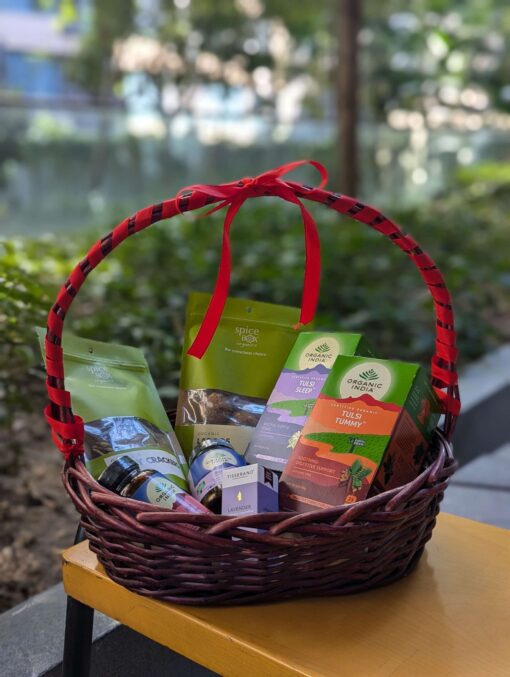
(223, 394)
(112, 390)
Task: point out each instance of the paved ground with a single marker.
(480, 490)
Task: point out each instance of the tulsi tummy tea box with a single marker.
(368, 431)
(298, 386)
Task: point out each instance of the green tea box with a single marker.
(369, 430)
(299, 384)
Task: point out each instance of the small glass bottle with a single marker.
(207, 461)
(125, 477)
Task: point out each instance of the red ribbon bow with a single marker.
(234, 195)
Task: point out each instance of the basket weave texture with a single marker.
(210, 559)
(341, 550)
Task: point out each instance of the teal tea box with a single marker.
(249, 490)
(298, 386)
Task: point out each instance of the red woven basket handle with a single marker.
(67, 427)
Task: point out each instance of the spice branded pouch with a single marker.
(223, 394)
(113, 391)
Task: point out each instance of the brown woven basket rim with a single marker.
(389, 502)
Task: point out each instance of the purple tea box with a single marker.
(249, 490)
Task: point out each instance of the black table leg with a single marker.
(78, 633)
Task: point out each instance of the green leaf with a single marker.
(369, 375)
(356, 466)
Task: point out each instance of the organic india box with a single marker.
(369, 429)
(298, 386)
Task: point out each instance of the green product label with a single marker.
(112, 390)
(383, 380)
(368, 446)
(247, 351)
(313, 348)
(109, 380)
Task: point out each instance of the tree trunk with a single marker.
(347, 94)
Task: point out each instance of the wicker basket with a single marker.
(211, 559)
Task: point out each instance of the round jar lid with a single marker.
(119, 473)
(210, 443)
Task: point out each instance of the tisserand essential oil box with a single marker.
(249, 490)
(298, 386)
(369, 430)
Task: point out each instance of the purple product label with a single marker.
(267, 499)
(206, 483)
(240, 500)
(157, 490)
(249, 499)
(206, 471)
(280, 425)
(292, 388)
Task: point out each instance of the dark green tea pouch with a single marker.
(223, 394)
(112, 390)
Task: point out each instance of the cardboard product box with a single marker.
(369, 431)
(249, 490)
(298, 386)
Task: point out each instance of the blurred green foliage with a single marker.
(419, 52)
(205, 41)
(486, 177)
(410, 51)
(23, 301)
(137, 295)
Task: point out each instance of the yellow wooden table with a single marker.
(451, 617)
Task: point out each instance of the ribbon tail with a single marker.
(221, 288)
(312, 277)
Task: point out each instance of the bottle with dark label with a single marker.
(207, 462)
(125, 477)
